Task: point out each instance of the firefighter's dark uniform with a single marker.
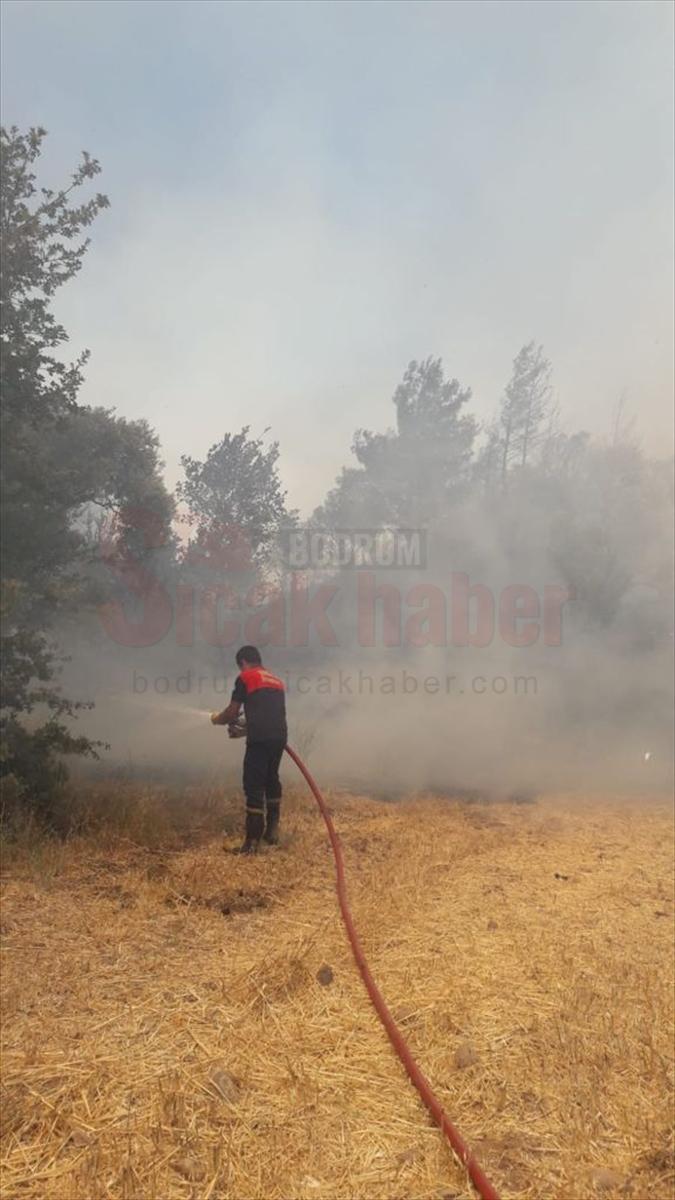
(263, 697)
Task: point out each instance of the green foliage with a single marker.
(31, 756)
(235, 492)
(38, 258)
(429, 409)
(524, 408)
(61, 463)
(595, 517)
(409, 475)
(612, 533)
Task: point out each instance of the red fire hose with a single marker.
(478, 1178)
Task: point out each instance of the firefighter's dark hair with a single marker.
(249, 654)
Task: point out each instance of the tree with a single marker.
(615, 531)
(408, 476)
(234, 500)
(524, 408)
(38, 258)
(488, 464)
(59, 459)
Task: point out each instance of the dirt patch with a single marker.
(229, 904)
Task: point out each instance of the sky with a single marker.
(306, 196)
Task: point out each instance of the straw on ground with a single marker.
(171, 1027)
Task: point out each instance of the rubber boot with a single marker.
(271, 834)
(247, 847)
(255, 821)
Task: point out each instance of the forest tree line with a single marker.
(520, 491)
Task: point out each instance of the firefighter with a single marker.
(262, 695)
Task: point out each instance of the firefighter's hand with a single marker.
(236, 730)
(215, 718)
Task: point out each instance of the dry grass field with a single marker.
(169, 1032)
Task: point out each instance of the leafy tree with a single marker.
(429, 407)
(524, 409)
(614, 532)
(38, 258)
(32, 758)
(409, 476)
(357, 500)
(59, 460)
(235, 502)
